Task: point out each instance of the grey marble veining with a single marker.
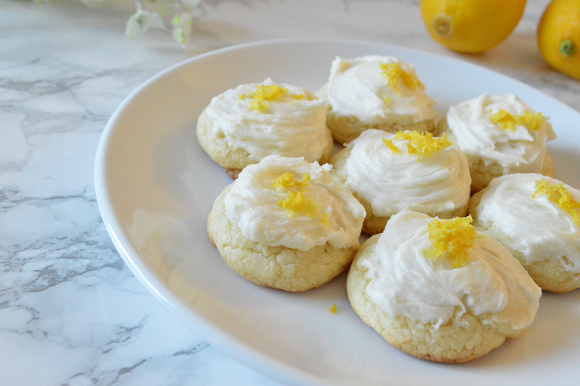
(71, 312)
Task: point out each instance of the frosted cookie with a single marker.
(375, 92)
(499, 135)
(389, 172)
(243, 125)
(438, 291)
(537, 219)
(286, 224)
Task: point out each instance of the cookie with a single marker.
(419, 172)
(537, 219)
(499, 135)
(375, 92)
(242, 126)
(443, 308)
(285, 224)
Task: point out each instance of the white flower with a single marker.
(141, 22)
(182, 26)
(155, 14)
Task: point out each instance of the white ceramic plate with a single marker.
(155, 188)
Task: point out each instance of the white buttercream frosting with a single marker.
(288, 127)
(539, 229)
(357, 87)
(521, 150)
(253, 205)
(392, 182)
(492, 286)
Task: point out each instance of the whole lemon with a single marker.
(471, 25)
(559, 36)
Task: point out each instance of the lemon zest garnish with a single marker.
(333, 309)
(395, 74)
(505, 120)
(453, 237)
(392, 147)
(297, 202)
(387, 99)
(286, 180)
(297, 97)
(264, 94)
(560, 196)
(324, 219)
(532, 121)
(422, 144)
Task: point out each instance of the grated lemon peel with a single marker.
(264, 94)
(507, 121)
(333, 309)
(287, 180)
(451, 238)
(391, 146)
(560, 196)
(395, 75)
(299, 97)
(296, 202)
(324, 219)
(421, 145)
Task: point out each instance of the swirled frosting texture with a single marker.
(492, 286)
(538, 228)
(392, 182)
(357, 87)
(254, 205)
(288, 127)
(520, 150)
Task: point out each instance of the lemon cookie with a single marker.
(243, 125)
(286, 224)
(499, 135)
(375, 92)
(389, 172)
(438, 291)
(537, 219)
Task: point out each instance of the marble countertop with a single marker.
(71, 312)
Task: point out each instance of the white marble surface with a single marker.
(71, 313)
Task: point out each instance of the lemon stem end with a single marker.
(442, 25)
(567, 48)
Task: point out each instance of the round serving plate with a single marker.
(155, 187)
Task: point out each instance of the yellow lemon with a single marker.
(559, 36)
(471, 25)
